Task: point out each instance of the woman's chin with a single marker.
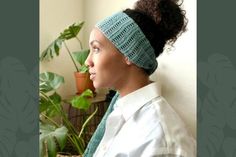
(98, 85)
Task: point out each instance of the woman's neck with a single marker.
(132, 83)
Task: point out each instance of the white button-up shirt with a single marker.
(143, 124)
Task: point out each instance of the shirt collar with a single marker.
(132, 102)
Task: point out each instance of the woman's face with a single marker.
(107, 65)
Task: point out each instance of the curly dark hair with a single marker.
(162, 21)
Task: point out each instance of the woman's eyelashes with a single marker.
(95, 49)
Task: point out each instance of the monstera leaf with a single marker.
(54, 48)
(81, 101)
(50, 105)
(50, 136)
(72, 31)
(50, 81)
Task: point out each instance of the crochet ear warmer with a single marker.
(129, 39)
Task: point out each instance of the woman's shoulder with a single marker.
(175, 131)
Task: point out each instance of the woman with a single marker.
(139, 122)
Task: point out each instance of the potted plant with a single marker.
(81, 74)
(54, 134)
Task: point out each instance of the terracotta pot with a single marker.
(83, 82)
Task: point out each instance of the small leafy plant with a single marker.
(54, 48)
(53, 134)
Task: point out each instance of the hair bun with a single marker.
(167, 14)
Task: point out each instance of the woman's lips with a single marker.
(92, 76)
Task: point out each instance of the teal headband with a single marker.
(129, 39)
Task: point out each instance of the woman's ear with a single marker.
(127, 61)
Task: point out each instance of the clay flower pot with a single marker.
(83, 82)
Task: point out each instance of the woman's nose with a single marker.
(89, 61)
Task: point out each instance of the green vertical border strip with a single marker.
(19, 69)
(216, 85)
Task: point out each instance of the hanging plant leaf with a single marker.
(87, 93)
(72, 31)
(50, 105)
(50, 81)
(49, 137)
(43, 104)
(51, 110)
(82, 101)
(52, 50)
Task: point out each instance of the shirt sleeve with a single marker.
(153, 149)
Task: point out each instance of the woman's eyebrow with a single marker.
(94, 41)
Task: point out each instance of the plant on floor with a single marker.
(54, 134)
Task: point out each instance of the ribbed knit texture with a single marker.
(129, 39)
(98, 134)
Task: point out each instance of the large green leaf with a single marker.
(72, 31)
(81, 56)
(54, 109)
(50, 105)
(49, 137)
(82, 101)
(50, 81)
(87, 93)
(52, 50)
(43, 104)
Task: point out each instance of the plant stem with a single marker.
(64, 117)
(81, 47)
(71, 56)
(76, 139)
(86, 122)
(52, 121)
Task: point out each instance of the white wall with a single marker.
(55, 16)
(177, 69)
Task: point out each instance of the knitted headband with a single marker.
(129, 39)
